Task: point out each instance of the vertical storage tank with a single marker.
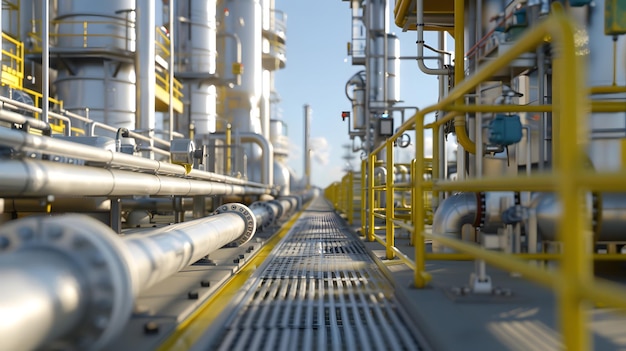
(240, 104)
(196, 54)
(96, 41)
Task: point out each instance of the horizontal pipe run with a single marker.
(42, 178)
(28, 142)
(38, 302)
(160, 253)
(60, 265)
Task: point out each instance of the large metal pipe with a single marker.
(42, 178)
(38, 302)
(611, 215)
(82, 292)
(162, 252)
(22, 142)
(453, 213)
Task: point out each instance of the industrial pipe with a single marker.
(42, 178)
(25, 142)
(609, 214)
(70, 280)
(261, 141)
(419, 8)
(454, 212)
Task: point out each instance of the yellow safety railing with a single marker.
(341, 195)
(573, 282)
(162, 77)
(12, 61)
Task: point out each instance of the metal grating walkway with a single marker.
(318, 290)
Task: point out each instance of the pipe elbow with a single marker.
(461, 135)
(453, 213)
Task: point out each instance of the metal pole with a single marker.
(171, 69)
(45, 60)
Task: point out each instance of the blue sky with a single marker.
(316, 73)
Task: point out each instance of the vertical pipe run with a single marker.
(170, 106)
(145, 67)
(45, 60)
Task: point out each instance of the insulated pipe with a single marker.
(23, 142)
(42, 178)
(453, 212)
(70, 280)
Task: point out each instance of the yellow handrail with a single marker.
(573, 282)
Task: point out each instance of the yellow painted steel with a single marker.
(573, 281)
(389, 213)
(12, 62)
(370, 196)
(191, 330)
(364, 195)
(350, 198)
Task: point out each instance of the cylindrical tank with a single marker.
(106, 87)
(195, 36)
(278, 138)
(607, 129)
(393, 69)
(96, 24)
(281, 178)
(241, 102)
(109, 95)
(358, 108)
(196, 45)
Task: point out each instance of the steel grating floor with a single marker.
(318, 290)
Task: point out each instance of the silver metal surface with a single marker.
(69, 277)
(453, 212)
(145, 66)
(159, 253)
(70, 282)
(42, 178)
(319, 290)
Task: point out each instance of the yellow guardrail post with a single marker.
(420, 277)
(364, 196)
(350, 197)
(370, 197)
(576, 263)
(389, 205)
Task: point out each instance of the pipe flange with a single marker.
(94, 250)
(246, 214)
(279, 207)
(481, 209)
(270, 218)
